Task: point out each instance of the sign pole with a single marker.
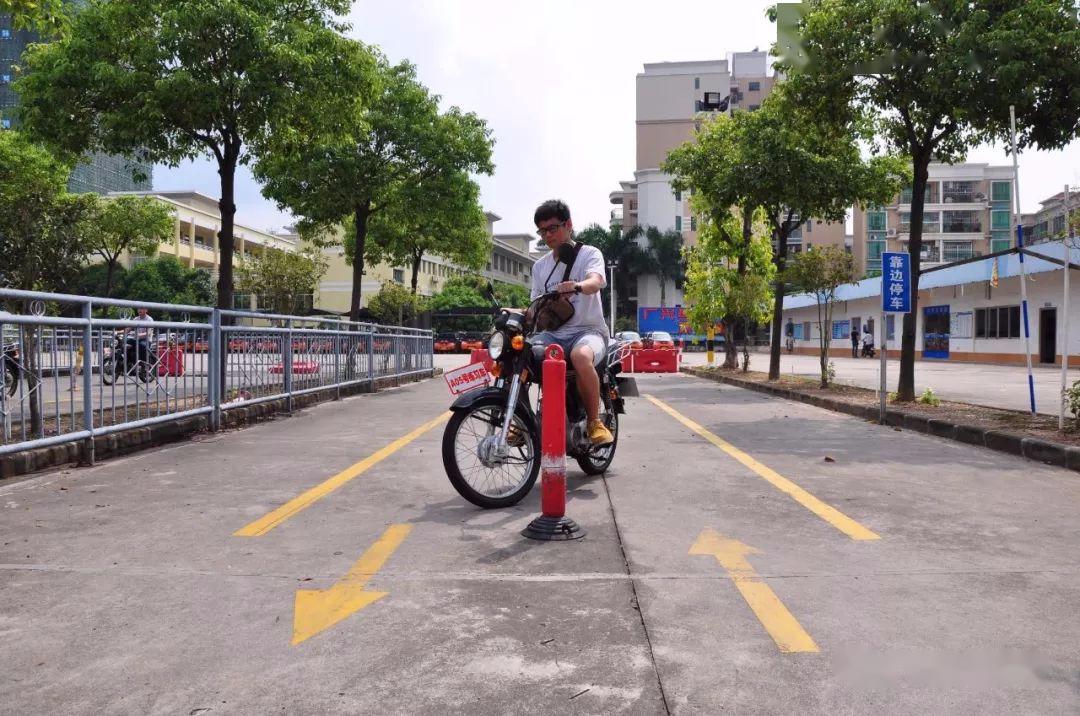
(1023, 268)
(1067, 254)
(895, 298)
(884, 345)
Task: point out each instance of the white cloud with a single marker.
(555, 81)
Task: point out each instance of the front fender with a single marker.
(495, 396)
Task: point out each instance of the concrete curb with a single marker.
(1035, 449)
(128, 441)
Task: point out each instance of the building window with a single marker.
(697, 83)
(931, 194)
(5, 123)
(5, 34)
(1001, 191)
(961, 192)
(1058, 227)
(876, 220)
(5, 78)
(755, 87)
(678, 195)
(957, 250)
(399, 275)
(930, 224)
(755, 107)
(998, 322)
(962, 222)
(678, 223)
(1000, 220)
(693, 223)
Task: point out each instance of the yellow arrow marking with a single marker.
(827, 512)
(784, 629)
(274, 518)
(319, 609)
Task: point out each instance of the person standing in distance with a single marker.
(584, 336)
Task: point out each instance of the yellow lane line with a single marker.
(316, 610)
(830, 514)
(272, 519)
(782, 626)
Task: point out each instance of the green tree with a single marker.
(819, 272)
(938, 78)
(439, 215)
(134, 224)
(42, 235)
(394, 304)
(787, 161)
(462, 292)
(620, 247)
(41, 15)
(729, 274)
(282, 279)
(349, 168)
(43, 228)
(166, 280)
(661, 256)
(188, 78)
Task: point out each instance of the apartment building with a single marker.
(672, 100)
(1050, 221)
(968, 213)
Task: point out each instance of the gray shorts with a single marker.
(588, 337)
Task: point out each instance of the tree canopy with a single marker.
(133, 224)
(936, 78)
(790, 163)
(819, 272)
(282, 279)
(179, 79)
(358, 164)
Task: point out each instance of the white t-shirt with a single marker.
(146, 332)
(588, 310)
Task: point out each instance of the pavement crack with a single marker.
(635, 601)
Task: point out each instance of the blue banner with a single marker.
(895, 282)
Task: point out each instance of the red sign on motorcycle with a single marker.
(466, 378)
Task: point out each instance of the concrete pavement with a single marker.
(998, 386)
(126, 589)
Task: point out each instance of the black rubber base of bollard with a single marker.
(551, 529)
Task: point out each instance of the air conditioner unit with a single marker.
(890, 232)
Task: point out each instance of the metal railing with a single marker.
(77, 367)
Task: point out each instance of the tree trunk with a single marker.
(360, 216)
(227, 206)
(110, 267)
(417, 258)
(32, 360)
(778, 301)
(905, 391)
(731, 350)
(663, 290)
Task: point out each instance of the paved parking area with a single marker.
(744, 554)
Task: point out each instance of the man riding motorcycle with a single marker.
(579, 276)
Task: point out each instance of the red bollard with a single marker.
(553, 524)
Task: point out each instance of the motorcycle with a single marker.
(491, 444)
(12, 368)
(128, 355)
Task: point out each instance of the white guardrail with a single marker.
(76, 367)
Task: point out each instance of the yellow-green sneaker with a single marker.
(599, 435)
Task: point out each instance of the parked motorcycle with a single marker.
(491, 445)
(12, 368)
(128, 355)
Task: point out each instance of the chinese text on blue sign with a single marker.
(895, 282)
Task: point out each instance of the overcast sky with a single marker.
(555, 82)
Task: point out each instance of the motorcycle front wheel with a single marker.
(499, 483)
(108, 371)
(11, 380)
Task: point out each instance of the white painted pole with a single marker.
(1067, 255)
(884, 348)
(611, 295)
(1023, 269)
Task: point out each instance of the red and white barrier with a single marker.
(553, 524)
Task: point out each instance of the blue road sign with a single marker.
(895, 282)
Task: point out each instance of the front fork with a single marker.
(502, 450)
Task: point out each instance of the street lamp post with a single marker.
(612, 265)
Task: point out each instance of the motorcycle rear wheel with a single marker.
(490, 487)
(108, 371)
(11, 380)
(598, 460)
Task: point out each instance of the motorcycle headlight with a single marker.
(495, 345)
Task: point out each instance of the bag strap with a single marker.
(569, 266)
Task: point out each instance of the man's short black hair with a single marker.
(551, 209)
